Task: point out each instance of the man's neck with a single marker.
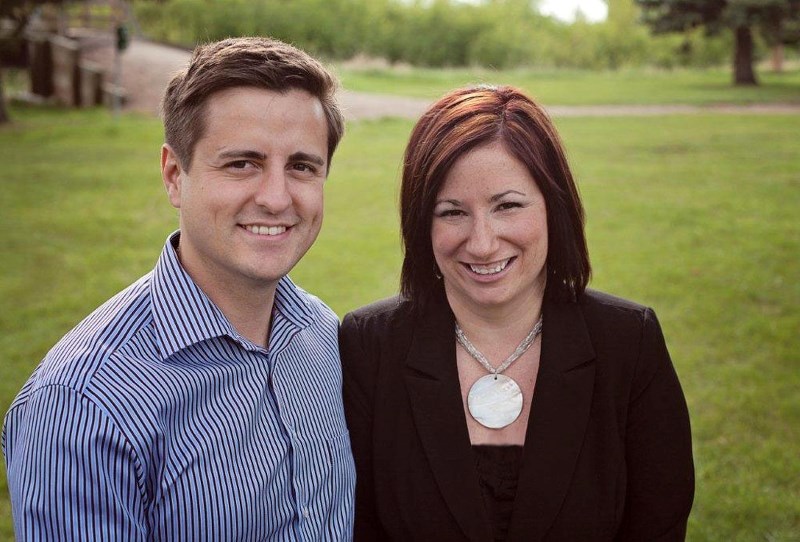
(250, 312)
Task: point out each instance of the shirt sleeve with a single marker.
(658, 446)
(71, 473)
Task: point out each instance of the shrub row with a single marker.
(438, 33)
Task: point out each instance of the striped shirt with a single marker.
(154, 419)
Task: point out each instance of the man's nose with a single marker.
(272, 192)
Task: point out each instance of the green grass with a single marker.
(570, 87)
(694, 215)
(698, 217)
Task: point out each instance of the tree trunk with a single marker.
(743, 73)
(4, 118)
(777, 58)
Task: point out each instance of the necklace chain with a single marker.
(521, 349)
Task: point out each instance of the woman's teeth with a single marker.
(489, 269)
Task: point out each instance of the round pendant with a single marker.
(494, 401)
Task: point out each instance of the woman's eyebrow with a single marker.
(501, 195)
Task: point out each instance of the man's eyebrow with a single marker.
(501, 195)
(307, 157)
(243, 154)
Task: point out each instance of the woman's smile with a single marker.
(490, 269)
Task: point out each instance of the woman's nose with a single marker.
(483, 239)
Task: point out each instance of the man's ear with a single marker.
(171, 174)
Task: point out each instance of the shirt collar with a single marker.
(184, 315)
(293, 303)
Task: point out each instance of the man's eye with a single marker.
(237, 164)
(302, 166)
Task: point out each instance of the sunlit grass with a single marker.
(573, 87)
(693, 215)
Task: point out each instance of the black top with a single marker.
(498, 471)
(607, 455)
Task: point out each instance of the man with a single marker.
(203, 401)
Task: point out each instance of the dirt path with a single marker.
(147, 67)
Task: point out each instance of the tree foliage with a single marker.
(15, 14)
(436, 33)
(14, 17)
(777, 21)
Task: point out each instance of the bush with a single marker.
(436, 33)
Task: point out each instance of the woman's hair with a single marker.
(453, 126)
(243, 62)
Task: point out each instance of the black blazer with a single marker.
(607, 453)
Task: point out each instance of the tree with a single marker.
(4, 118)
(15, 14)
(776, 20)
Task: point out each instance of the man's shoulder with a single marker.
(83, 350)
(319, 311)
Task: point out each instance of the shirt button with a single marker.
(306, 513)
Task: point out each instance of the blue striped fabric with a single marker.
(153, 419)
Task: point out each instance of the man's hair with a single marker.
(453, 126)
(242, 62)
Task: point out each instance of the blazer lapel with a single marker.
(557, 423)
(433, 387)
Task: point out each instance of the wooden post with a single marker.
(40, 60)
(66, 74)
(91, 84)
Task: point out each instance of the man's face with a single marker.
(251, 202)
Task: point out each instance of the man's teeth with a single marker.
(266, 230)
(489, 269)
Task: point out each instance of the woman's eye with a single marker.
(508, 205)
(449, 213)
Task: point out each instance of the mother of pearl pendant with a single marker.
(495, 401)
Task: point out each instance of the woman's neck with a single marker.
(508, 322)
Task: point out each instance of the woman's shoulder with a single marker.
(594, 301)
(381, 328)
(613, 318)
(387, 306)
(382, 314)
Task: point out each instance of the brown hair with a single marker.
(459, 122)
(242, 62)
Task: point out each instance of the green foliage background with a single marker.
(437, 33)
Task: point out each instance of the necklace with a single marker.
(495, 400)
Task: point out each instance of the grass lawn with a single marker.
(693, 215)
(570, 87)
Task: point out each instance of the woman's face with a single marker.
(489, 231)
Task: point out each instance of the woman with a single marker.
(497, 398)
